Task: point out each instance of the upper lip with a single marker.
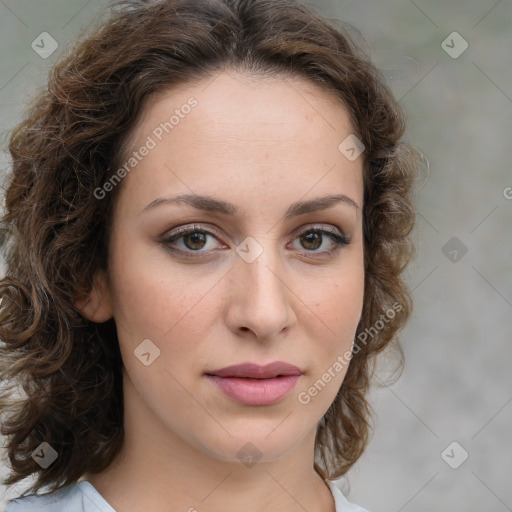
(255, 371)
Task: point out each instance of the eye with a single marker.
(191, 239)
(196, 241)
(321, 240)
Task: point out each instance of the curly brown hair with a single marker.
(68, 370)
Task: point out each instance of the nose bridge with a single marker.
(262, 298)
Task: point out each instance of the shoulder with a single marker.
(83, 497)
(342, 504)
(54, 501)
(78, 497)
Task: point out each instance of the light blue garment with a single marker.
(79, 497)
(83, 497)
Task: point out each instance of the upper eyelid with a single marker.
(209, 230)
(190, 228)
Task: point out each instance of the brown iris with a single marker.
(311, 240)
(195, 241)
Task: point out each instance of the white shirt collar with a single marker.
(341, 503)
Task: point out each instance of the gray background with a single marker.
(457, 383)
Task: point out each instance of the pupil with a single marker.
(195, 241)
(313, 240)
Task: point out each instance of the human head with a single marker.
(58, 228)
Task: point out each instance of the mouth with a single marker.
(255, 385)
(254, 371)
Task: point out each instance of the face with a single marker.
(237, 238)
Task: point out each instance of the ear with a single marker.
(96, 304)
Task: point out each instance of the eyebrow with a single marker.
(209, 204)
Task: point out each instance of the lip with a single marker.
(252, 384)
(255, 371)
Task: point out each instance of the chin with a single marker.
(255, 441)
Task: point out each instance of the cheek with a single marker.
(338, 308)
(337, 301)
(158, 301)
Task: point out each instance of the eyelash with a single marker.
(340, 241)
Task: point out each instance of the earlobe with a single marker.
(96, 304)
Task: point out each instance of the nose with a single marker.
(259, 304)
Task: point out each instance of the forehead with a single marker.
(233, 128)
(272, 107)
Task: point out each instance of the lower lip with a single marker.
(255, 391)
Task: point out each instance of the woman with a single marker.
(206, 224)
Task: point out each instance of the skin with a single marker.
(261, 143)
